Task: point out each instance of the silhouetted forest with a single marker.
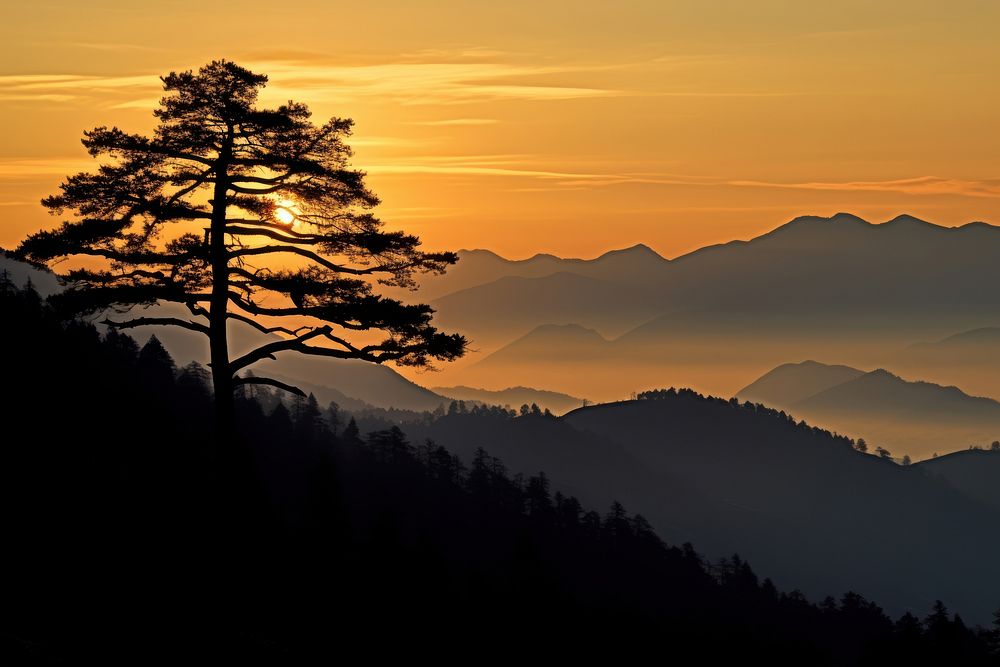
(130, 539)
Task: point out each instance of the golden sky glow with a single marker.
(565, 127)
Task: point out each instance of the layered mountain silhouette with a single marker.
(512, 305)
(969, 358)
(788, 384)
(551, 342)
(915, 418)
(480, 267)
(862, 290)
(556, 402)
(802, 505)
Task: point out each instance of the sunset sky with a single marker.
(564, 127)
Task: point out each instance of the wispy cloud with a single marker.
(423, 83)
(66, 88)
(395, 142)
(557, 179)
(473, 170)
(11, 168)
(405, 82)
(418, 213)
(923, 185)
(112, 46)
(455, 121)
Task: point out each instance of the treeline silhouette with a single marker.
(130, 540)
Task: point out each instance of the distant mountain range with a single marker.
(803, 507)
(811, 271)
(788, 384)
(515, 397)
(840, 284)
(480, 267)
(915, 418)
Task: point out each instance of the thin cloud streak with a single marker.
(455, 121)
(923, 185)
(409, 83)
(21, 168)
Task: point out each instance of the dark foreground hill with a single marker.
(807, 508)
(975, 472)
(132, 537)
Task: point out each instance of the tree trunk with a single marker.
(222, 380)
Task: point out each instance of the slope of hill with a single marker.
(974, 472)
(983, 336)
(814, 513)
(548, 343)
(19, 273)
(515, 397)
(970, 359)
(789, 383)
(906, 417)
(882, 393)
(510, 306)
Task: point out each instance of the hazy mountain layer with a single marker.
(852, 290)
(914, 418)
(515, 397)
(789, 383)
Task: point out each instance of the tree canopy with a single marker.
(241, 213)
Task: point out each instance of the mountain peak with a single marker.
(804, 222)
(563, 330)
(882, 374)
(907, 219)
(640, 250)
(847, 217)
(836, 218)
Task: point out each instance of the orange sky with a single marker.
(564, 127)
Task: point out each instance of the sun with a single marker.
(285, 213)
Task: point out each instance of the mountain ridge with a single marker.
(915, 417)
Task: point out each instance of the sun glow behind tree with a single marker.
(241, 214)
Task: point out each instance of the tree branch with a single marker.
(157, 321)
(263, 329)
(270, 382)
(325, 263)
(265, 351)
(255, 191)
(277, 236)
(253, 308)
(270, 225)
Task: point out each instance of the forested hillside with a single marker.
(132, 539)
